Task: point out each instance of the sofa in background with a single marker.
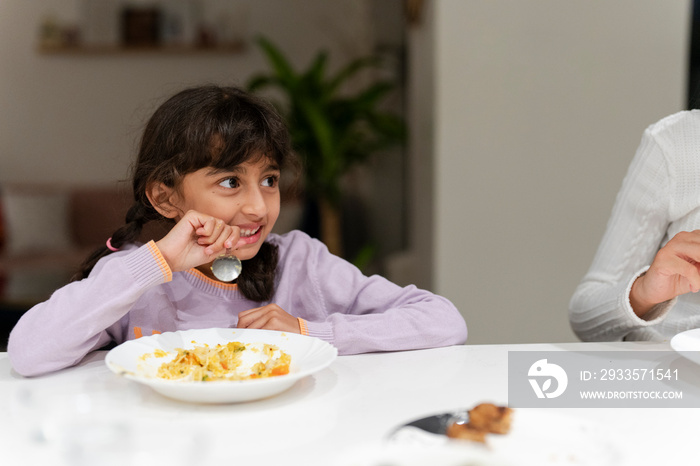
(47, 231)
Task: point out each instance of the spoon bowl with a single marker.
(226, 267)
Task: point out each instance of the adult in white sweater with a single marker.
(645, 276)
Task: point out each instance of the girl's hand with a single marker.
(196, 239)
(674, 271)
(270, 317)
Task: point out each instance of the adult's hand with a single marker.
(674, 271)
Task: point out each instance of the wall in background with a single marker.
(538, 109)
(60, 113)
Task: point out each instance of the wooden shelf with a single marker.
(116, 50)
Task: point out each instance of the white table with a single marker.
(349, 408)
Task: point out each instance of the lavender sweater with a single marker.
(132, 292)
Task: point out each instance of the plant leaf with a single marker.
(283, 70)
(350, 70)
(329, 130)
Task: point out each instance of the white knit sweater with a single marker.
(660, 196)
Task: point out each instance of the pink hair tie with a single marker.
(109, 245)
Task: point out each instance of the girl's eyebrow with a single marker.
(272, 166)
(217, 171)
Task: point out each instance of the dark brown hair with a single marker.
(208, 126)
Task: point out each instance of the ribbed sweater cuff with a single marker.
(655, 314)
(322, 330)
(148, 266)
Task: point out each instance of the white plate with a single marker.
(536, 437)
(688, 344)
(309, 355)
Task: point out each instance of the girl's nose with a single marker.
(254, 204)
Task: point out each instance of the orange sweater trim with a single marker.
(162, 263)
(211, 281)
(302, 326)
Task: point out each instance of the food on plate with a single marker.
(491, 418)
(466, 432)
(230, 361)
(485, 418)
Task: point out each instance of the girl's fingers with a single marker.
(233, 237)
(216, 235)
(259, 323)
(213, 231)
(218, 238)
(195, 239)
(246, 317)
(209, 231)
(271, 321)
(269, 317)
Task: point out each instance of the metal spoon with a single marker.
(226, 267)
(438, 424)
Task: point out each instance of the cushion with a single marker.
(36, 219)
(2, 229)
(95, 213)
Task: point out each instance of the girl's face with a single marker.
(247, 196)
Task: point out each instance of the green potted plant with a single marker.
(332, 129)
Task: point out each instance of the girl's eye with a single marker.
(270, 181)
(229, 183)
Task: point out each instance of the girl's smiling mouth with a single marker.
(250, 235)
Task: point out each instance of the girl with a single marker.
(209, 162)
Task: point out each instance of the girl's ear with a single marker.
(162, 199)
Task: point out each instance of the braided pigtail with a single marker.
(136, 217)
(257, 280)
